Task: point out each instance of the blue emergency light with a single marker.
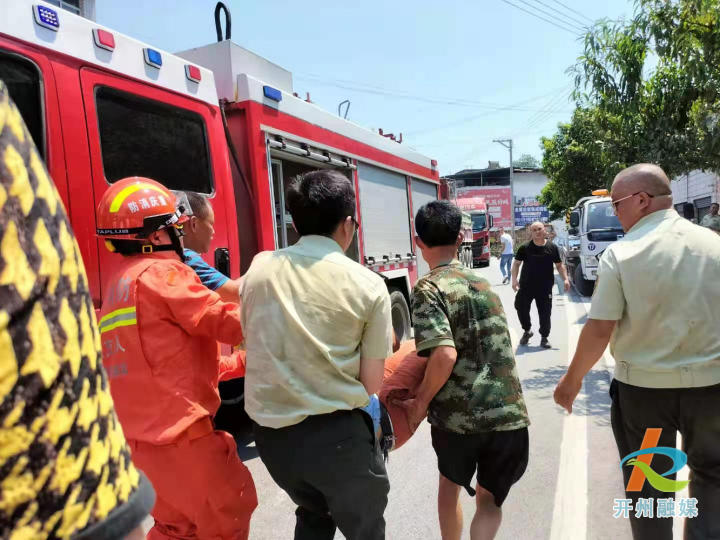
(272, 93)
(152, 57)
(46, 17)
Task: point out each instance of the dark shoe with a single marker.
(526, 337)
(545, 344)
(505, 280)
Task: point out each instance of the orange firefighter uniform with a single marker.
(160, 329)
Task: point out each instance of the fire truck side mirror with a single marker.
(688, 210)
(490, 220)
(575, 219)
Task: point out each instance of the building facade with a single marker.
(699, 188)
(527, 186)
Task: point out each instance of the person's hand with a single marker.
(415, 410)
(515, 285)
(567, 285)
(566, 392)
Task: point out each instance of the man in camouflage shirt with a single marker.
(471, 391)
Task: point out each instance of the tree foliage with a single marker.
(526, 161)
(647, 89)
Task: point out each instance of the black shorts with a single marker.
(500, 458)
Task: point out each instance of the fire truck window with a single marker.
(140, 137)
(24, 83)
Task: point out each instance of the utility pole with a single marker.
(508, 143)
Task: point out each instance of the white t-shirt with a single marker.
(507, 242)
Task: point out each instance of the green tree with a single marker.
(647, 89)
(526, 161)
(583, 155)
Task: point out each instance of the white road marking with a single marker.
(569, 520)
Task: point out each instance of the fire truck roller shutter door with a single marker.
(422, 193)
(385, 212)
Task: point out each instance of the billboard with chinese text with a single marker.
(496, 198)
(525, 215)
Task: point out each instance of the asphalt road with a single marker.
(573, 476)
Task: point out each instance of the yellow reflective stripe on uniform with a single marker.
(125, 193)
(128, 322)
(117, 318)
(121, 311)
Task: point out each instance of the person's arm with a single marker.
(396, 342)
(230, 290)
(557, 260)
(195, 308)
(437, 372)
(563, 274)
(439, 368)
(377, 342)
(515, 271)
(593, 341)
(433, 338)
(608, 306)
(232, 367)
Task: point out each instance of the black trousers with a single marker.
(543, 300)
(695, 413)
(331, 467)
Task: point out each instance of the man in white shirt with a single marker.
(657, 303)
(318, 328)
(507, 254)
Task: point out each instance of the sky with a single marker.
(450, 76)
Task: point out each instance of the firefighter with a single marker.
(160, 329)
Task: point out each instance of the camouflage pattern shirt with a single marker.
(452, 306)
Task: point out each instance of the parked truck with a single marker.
(481, 222)
(593, 227)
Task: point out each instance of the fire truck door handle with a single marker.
(222, 261)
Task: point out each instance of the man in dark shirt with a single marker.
(537, 258)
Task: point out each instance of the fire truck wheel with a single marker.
(400, 314)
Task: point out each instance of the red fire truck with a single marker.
(482, 222)
(218, 120)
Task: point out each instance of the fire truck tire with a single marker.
(400, 314)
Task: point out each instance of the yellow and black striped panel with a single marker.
(64, 462)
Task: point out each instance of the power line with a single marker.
(571, 25)
(576, 12)
(542, 18)
(534, 121)
(539, 118)
(582, 24)
(477, 116)
(369, 89)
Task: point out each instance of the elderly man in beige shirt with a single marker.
(317, 329)
(657, 302)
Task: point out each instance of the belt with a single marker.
(199, 429)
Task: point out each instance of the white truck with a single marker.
(593, 227)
